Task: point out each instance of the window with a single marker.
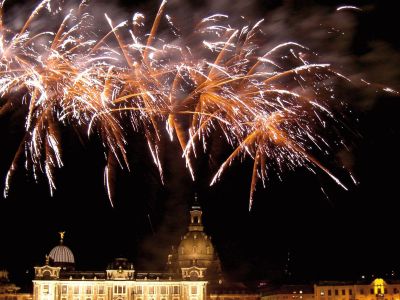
(329, 293)
(64, 289)
(76, 290)
(336, 292)
(379, 291)
(193, 290)
(119, 289)
(395, 291)
(163, 290)
(45, 289)
(362, 291)
(88, 290)
(343, 292)
(151, 290)
(322, 293)
(176, 290)
(139, 290)
(182, 250)
(371, 291)
(385, 290)
(350, 292)
(100, 290)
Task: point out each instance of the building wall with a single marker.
(233, 297)
(118, 290)
(15, 296)
(373, 291)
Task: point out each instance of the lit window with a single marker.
(163, 290)
(88, 290)
(151, 290)
(322, 293)
(101, 289)
(76, 290)
(176, 290)
(139, 290)
(45, 289)
(193, 290)
(64, 289)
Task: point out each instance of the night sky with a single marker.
(334, 234)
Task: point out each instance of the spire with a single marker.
(196, 203)
(61, 233)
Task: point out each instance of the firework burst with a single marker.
(269, 106)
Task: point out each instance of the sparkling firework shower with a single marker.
(268, 105)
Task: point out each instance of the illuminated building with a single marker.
(9, 291)
(192, 268)
(378, 289)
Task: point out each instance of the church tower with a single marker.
(195, 258)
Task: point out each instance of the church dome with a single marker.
(61, 255)
(196, 245)
(195, 257)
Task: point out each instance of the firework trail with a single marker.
(269, 106)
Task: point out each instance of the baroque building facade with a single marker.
(192, 267)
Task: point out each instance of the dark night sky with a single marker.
(349, 234)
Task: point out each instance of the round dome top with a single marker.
(196, 245)
(62, 254)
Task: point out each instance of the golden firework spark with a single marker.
(267, 105)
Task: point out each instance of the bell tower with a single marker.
(195, 216)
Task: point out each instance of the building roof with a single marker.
(61, 254)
